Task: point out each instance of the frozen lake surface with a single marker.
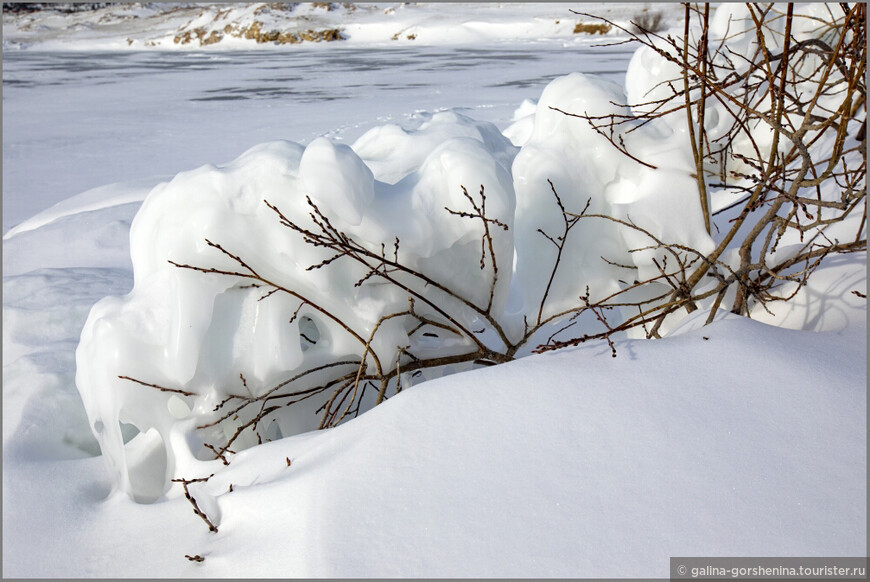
(73, 121)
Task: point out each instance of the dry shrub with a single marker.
(647, 21)
(591, 28)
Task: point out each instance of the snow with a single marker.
(335, 177)
(744, 437)
(612, 467)
(549, 486)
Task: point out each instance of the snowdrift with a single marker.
(563, 464)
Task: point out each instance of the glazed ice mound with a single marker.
(203, 335)
(226, 308)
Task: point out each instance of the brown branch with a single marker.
(185, 482)
(161, 388)
(568, 222)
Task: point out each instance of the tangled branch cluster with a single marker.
(805, 177)
(344, 383)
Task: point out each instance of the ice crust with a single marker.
(210, 335)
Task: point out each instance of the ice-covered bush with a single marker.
(298, 286)
(243, 282)
(769, 102)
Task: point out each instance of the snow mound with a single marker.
(564, 155)
(207, 336)
(210, 247)
(94, 199)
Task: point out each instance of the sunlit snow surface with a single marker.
(569, 464)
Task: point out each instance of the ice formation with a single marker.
(202, 336)
(195, 335)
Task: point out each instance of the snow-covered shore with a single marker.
(240, 26)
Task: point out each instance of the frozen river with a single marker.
(73, 121)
